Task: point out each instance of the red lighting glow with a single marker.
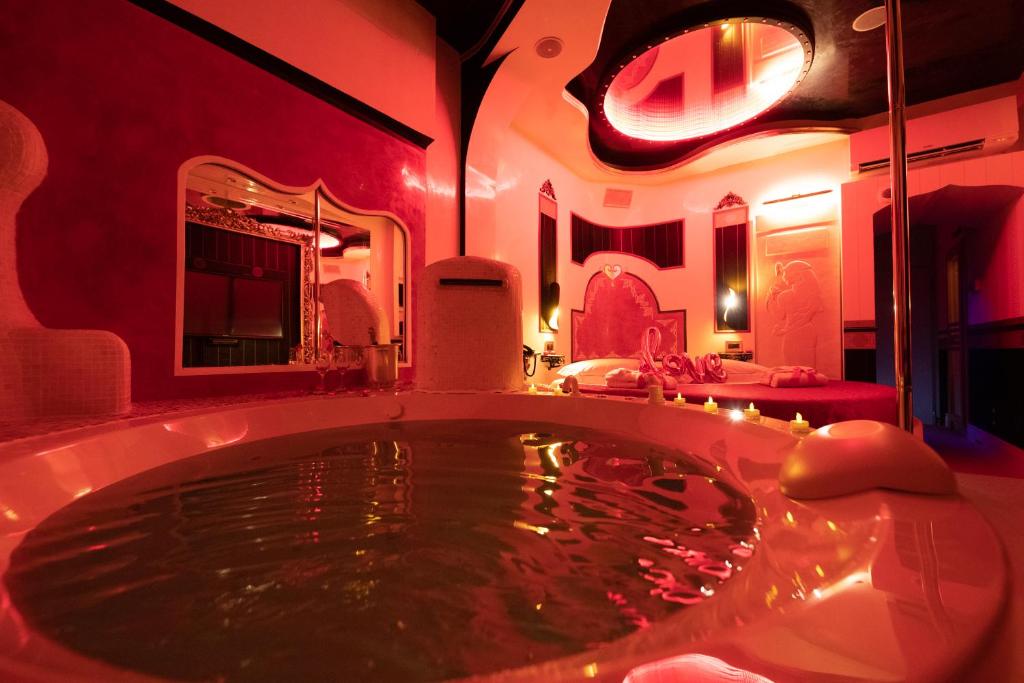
(705, 81)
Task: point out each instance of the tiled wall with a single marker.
(45, 373)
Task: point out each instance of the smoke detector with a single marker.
(870, 20)
(549, 47)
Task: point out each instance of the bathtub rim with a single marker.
(188, 428)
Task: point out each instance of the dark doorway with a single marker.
(965, 372)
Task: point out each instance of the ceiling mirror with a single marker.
(706, 79)
(256, 261)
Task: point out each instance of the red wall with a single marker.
(122, 98)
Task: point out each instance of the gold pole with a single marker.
(900, 214)
(316, 274)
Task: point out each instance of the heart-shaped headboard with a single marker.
(617, 308)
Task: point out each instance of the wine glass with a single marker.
(322, 363)
(344, 359)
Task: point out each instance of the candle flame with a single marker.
(751, 405)
(799, 417)
(709, 400)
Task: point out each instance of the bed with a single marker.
(607, 332)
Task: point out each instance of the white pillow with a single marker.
(741, 372)
(593, 371)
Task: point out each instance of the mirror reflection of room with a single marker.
(253, 277)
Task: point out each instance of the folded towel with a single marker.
(788, 376)
(623, 378)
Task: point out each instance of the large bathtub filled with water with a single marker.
(422, 537)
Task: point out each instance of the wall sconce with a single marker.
(792, 197)
(549, 307)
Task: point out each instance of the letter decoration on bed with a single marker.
(676, 368)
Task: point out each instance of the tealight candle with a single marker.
(532, 389)
(557, 391)
(679, 400)
(799, 425)
(710, 406)
(751, 414)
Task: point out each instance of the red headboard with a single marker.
(617, 308)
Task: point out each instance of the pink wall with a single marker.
(385, 54)
(122, 98)
(361, 47)
(443, 159)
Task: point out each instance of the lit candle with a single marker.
(710, 406)
(557, 391)
(532, 389)
(679, 400)
(799, 425)
(751, 414)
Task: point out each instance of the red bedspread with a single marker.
(834, 402)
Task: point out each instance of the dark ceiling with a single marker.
(462, 23)
(950, 46)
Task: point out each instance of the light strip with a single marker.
(795, 196)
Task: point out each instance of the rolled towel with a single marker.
(622, 378)
(789, 376)
(714, 370)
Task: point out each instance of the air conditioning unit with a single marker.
(988, 126)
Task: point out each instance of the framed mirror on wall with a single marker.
(256, 261)
(731, 262)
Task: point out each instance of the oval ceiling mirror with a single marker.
(706, 80)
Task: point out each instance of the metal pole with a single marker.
(316, 274)
(900, 214)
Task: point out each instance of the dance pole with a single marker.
(900, 214)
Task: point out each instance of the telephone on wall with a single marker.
(549, 358)
(528, 355)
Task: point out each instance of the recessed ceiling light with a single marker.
(225, 203)
(870, 20)
(549, 47)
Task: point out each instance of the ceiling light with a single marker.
(549, 47)
(225, 203)
(870, 20)
(328, 241)
(356, 252)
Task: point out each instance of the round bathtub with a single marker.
(878, 586)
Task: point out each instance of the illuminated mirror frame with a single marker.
(548, 258)
(730, 219)
(801, 34)
(309, 265)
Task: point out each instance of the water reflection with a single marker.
(412, 553)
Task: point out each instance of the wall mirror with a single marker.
(254, 258)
